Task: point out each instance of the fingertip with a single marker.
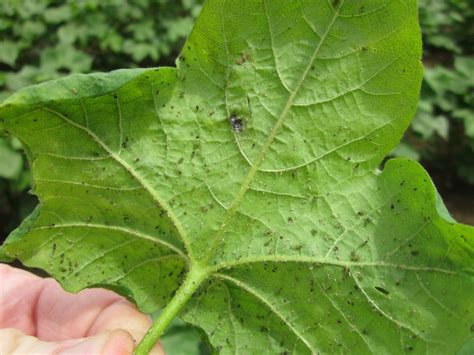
(119, 342)
(157, 350)
(122, 315)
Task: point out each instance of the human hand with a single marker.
(38, 317)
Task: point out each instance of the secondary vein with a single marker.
(275, 311)
(117, 229)
(161, 202)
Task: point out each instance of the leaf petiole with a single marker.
(197, 274)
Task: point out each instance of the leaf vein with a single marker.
(131, 188)
(352, 326)
(434, 298)
(262, 299)
(117, 229)
(261, 156)
(132, 172)
(328, 262)
(378, 308)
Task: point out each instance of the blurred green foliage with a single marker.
(183, 339)
(45, 39)
(442, 133)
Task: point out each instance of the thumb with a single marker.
(109, 343)
(116, 342)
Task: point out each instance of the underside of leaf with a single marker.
(256, 162)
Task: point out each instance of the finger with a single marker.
(123, 315)
(109, 343)
(61, 315)
(40, 307)
(14, 342)
(18, 296)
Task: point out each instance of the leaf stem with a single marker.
(194, 279)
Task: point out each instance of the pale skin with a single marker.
(38, 317)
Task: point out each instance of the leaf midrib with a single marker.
(262, 154)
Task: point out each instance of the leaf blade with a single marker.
(260, 170)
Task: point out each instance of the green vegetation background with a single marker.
(45, 39)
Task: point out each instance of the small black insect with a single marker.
(382, 290)
(236, 123)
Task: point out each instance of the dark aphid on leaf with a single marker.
(382, 290)
(236, 123)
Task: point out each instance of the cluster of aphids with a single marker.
(236, 123)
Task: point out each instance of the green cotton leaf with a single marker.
(9, 52)
(241, 190)
(404, 149)
(58, 14)
(427, 125)
(65, 57)
(139, 51)
(181, 339)
(11, 161)
(465, 67)
(178, 28)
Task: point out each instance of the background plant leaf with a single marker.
(256, 158)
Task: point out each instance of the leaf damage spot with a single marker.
(236, 123)
(244, 57)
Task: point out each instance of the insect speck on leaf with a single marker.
(236, 123)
